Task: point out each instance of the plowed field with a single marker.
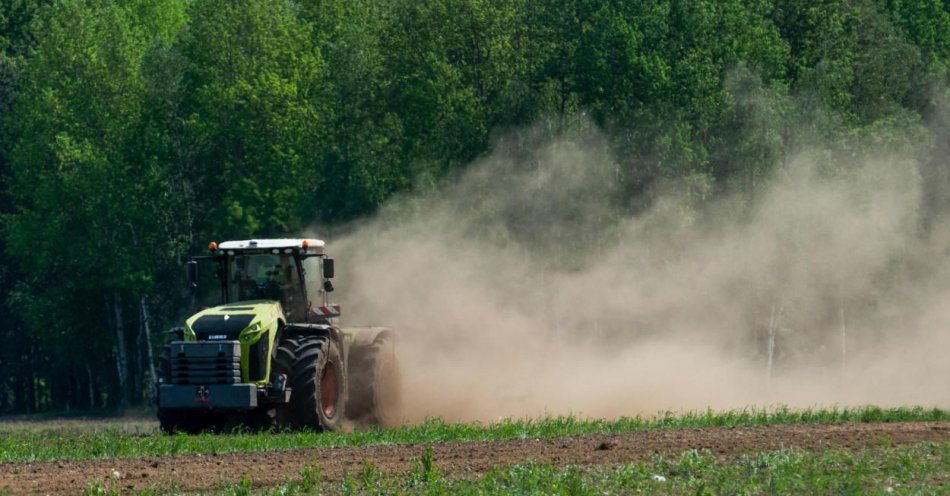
(205, 472)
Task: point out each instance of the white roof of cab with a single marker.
(313, 245)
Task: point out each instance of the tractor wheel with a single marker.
(315, 376)
(374, 383)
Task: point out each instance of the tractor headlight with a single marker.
(252, 332)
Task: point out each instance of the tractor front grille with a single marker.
(205, 362)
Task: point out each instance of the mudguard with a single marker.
(365, 335)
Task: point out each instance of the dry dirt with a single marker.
(201, 472)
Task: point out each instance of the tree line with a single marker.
(132, 132)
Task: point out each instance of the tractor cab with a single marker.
(271, 270)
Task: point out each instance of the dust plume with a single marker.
(525, 288)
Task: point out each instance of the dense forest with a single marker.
(133, 132)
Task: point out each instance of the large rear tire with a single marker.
(316, 378)
(374, 383)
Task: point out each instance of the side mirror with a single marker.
(328, 268)
(192, 268)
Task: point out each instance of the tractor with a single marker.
(270, 353)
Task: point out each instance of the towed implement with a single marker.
(272, 354)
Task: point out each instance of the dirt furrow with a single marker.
(199, 472)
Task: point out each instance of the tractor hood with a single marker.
(244, 321)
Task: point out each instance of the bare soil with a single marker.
(203, 472)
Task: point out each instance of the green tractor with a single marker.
(271, 353)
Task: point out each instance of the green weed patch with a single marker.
(30, 445)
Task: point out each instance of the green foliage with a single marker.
(77, 179)
(850, 58)
(254, 107)
(15, 19)
(448, 81)
(135, 131)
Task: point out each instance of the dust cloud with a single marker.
(525, 288)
